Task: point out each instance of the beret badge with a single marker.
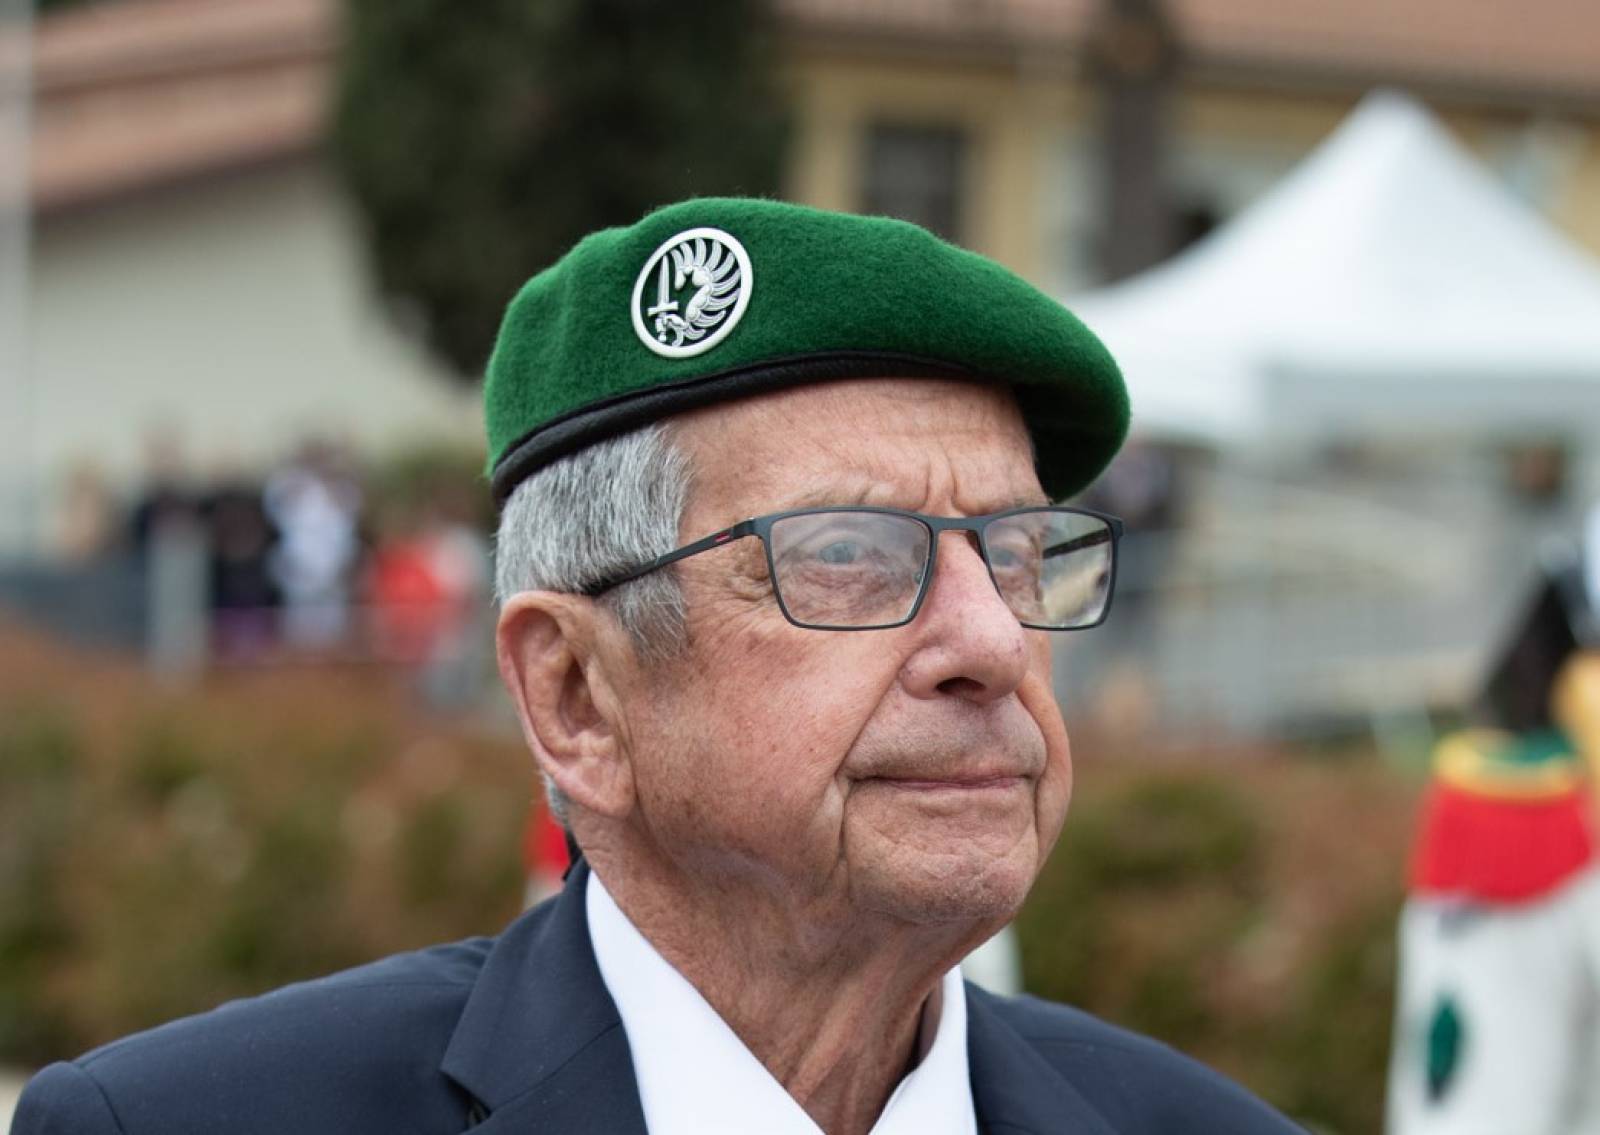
(691, 293)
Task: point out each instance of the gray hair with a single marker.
(592, 514)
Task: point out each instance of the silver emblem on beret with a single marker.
(691, 293)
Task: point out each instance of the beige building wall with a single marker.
(1009, 118)
(235, 313)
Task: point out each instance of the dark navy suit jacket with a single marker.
(518, 1034)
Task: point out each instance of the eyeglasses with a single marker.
(864, 568)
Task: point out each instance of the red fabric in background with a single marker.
(1499, 850)
(408, 601)
(544, 845)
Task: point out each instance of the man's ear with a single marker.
(546, 645)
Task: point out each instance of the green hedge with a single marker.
(161, 852)
(1189, 904)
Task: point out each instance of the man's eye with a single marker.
(839, 552)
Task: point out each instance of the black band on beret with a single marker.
(625, 412)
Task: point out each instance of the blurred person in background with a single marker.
(315, 504)
(778, 572)
(1498, 1015)
(85, 527)
(457, 665)
(244, 592)
(168, 536)
(404, 595)
(427, 587)
(166, 495)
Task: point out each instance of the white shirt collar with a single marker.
(696, 1077)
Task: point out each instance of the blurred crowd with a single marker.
(308, 559)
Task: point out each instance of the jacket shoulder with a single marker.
(64, 1100)
(320, 1056)
(1137, 1083)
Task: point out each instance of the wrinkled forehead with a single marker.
(943, 445)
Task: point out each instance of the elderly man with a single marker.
(779, 572)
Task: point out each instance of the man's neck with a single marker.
(835, 1015)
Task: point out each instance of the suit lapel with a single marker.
(540, 1043)
(541, 1046)
(1013, 1087)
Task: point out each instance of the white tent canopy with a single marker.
(1387, 284)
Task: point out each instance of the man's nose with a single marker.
(969, 643)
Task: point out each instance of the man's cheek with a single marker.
(1055, 795)
(1037, 695)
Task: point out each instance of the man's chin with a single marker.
(961, 887)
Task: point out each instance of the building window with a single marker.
(916, 173)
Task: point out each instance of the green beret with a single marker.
(713, 299)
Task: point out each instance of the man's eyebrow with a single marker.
(864, 495)
(1028, 500)
(823, 497)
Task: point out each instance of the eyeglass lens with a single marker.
(848, 569)
(1053, 568)
(865, 569)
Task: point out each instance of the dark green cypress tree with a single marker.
(481, 140)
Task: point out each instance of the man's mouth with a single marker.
(978, 782)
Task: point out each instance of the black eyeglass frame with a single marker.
(762, 526)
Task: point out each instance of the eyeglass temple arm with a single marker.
(715, 540)
(1106, 536)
